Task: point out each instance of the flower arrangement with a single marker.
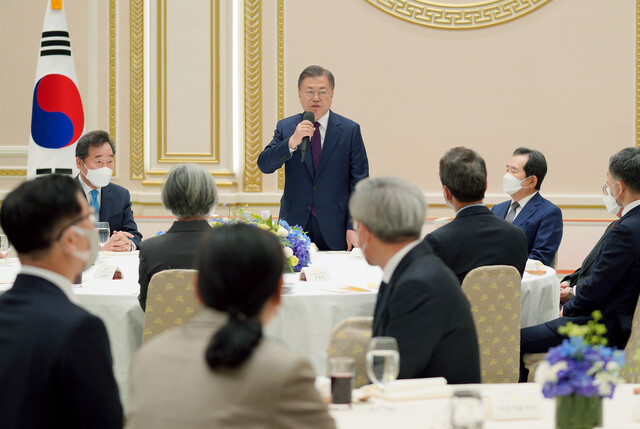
(294, 240)
(582, 365)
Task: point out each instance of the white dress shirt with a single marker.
(523, 202)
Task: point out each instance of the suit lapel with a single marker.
(334, 130)
(528, 210)
(106, 202)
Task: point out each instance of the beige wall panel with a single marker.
(554, 80)
(188, 79)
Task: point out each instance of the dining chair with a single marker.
(494, 295)
(350, 338)
(631, 371)
(171, 301)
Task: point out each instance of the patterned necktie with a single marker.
(94, 202)
(316, 146)
(512, 213)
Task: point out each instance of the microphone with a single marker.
(304, 146)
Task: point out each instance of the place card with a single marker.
(357, 255)
(107, 272)
(317, 274)
(512, 406)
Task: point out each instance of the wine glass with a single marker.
(5, 246)
(103, 233)
(383, 363)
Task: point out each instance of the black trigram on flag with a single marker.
(55, 43)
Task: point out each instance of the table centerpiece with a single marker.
(295, 242)
(579, 373)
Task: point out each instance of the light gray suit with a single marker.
(172, 386)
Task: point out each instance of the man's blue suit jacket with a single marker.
(115, 208)
(541, 221)
(342, 164)
(55, 362)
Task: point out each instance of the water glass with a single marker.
(103, 233)
(382, 363)
(467, 410)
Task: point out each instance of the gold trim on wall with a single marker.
(637, 73)
(219, 183)
(280, 55)
(112, 69)
(457, 17)
(13, 172)
(163, 154)
(213, 173)
(136, 88)
(252, 181)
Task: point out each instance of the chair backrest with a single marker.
(171, 301)
(350, 338)
(631, 371)
(494, 294)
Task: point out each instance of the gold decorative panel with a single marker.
(464, 16)
(280, 77)
(252, 181)
(136, 88)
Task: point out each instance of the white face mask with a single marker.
(610, 203)
(89, 255)
(99, 177)
(511, 184)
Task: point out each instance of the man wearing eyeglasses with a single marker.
(316, 190)
(55, 359)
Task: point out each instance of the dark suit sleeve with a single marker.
(414, 304)
(276, 153)
(613, 262)
(359, 163)
(143, 278)
(128, 224)
(86, 377)
(435, 245)
(548, 237)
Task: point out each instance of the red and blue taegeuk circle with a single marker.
(57, 120)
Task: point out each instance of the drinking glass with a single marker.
(5, 246)
(341, 371)
(383, 363)
(103, 233)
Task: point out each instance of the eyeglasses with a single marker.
(91, 216)
(322, 93)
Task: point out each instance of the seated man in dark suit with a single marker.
(476, 237)
(55, 360)
(94, 159)
(614, 284)
(570, 283)
(420, 302)
(540, 219)
(191, 194)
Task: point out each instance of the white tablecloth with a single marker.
(434, 413)
(305, 318)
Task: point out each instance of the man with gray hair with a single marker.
(419, 302)
(317, 185)
(191, 194)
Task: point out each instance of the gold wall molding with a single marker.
(280, 56)
(458, 17)
(637, 73)
(252, 181)
(112, 68)
(15, 172)
(136, 88)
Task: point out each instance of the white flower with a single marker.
(265, 214)
(549, 373)
(288, 252)
(282, 232)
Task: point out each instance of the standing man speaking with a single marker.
(318, 184)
